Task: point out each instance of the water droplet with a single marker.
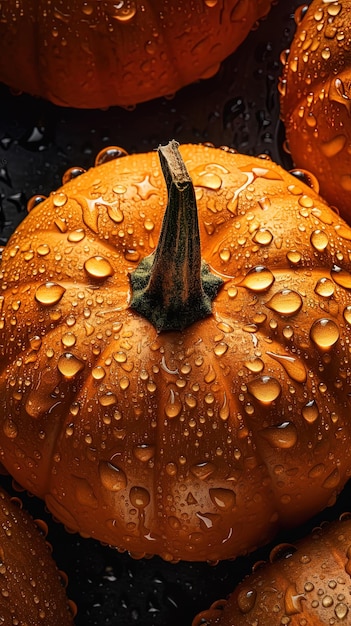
(76, 235)
(347, 314)
(258, 279)
(139, 497)
(98, 267)
(324, 287)
(110, 153)
(69, 365)
(203, 470)
(281, 436)
(34, 201)
(10, 429)
(68, 340)
(265, 389)
(341, 277)
(223, 498)
(71, 173)
(293, 366)
(263, 237)
(246, 599)
(324, 333)
(111, 476)
(319, 240)
(49, 293)
(285, 302)
(294, 257)
(173, 406)
(341, 610)
(310, 411)
(292, 600)
(122, 10)
(59, 198)
(144, 452)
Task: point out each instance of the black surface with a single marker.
(38, 141)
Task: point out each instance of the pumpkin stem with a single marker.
(173, 287)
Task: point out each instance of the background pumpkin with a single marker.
(32, 590)
(316, 98)
(306, 583)
(86, 54)
(197, 444)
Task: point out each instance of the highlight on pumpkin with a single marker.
(196, 444)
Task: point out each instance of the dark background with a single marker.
(239, 107)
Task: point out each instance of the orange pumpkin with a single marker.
(307, 584)
(97, 54)
(32, 591)
(316, 98)
(191, 402)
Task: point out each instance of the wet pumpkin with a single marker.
(156, 420)
(97, 54)
(316, 98)
(32, 590)
(305, 584)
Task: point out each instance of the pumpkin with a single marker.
(97, 54)
(32, 590)
(316, 98)
(178, 385)
(303, 584)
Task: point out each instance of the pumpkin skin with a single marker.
(316, 99)
(32, 591)
(307, 583)
(195, 444)
(88, 54)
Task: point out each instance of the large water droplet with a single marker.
(98, 267)
(324, 333)
(246, 599)
(110, 153)
(265, 389)
(258, 279)
(281, 436)
(49, 293)
(139, 497)
(285, 302)
(69, 365)
(223, 498)
(341, 277)
(292, 365)
(111, 476)
(310, 411)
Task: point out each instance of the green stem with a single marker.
(173, 287)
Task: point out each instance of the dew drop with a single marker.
(341, 277)
(223, 498)
(111, 476)
(139, 497)
(49, 293)
(293, 366)
(258, 279)
(144, 452)
(98, 267)
(71, 173)
(69, 365)
(324, 333)
(246, 600)
(34, 201)
(347, 314)
(110, 153)
(294, 257)
(263, 237)
(76, 235)
(319, 240)
(173, 406)
(285, 302)
(310, 411)
(59, 198)
(265, 389)
(122, 11)
(341, 610)
(203, 470)
(324, 287)
(281, 436)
